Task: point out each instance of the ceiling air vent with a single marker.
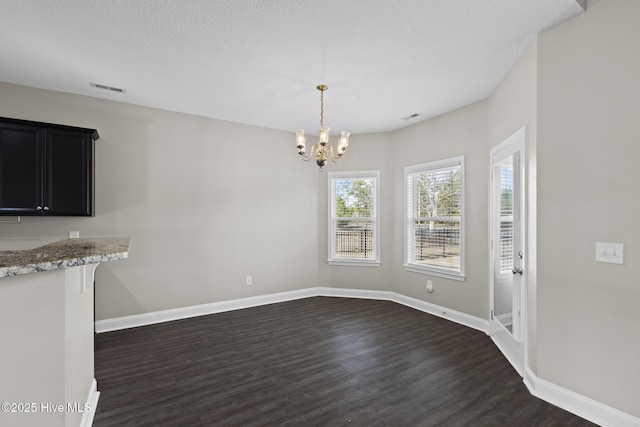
(105, 87)
(413, 116)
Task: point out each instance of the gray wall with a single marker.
(460, 133)
(366, 152)
(205, 202)
(588, 175)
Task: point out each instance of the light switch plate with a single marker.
(612, 253)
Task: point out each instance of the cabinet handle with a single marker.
(46, 208)
(39, 208)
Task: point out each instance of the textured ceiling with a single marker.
(258, 61)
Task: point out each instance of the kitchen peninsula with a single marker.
(47, 327)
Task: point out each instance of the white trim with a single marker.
(360, 263)
(354, 293)
(92, 401)
(434, 271)
(578, 404)
(435, 165)
(464, 319)
(370, 173)
(154, 317)
(507, 346)
(136, 320)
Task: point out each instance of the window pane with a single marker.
(438, 193)
(506, 246)
(506, 216)
(437, 243)
(354, 239)
(355, 197)
(506, 190)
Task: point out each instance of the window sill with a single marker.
(358, 263)
(437, 273)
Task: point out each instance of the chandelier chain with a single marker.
(321, 108)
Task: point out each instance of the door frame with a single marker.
(515, 352)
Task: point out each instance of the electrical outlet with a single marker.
(74, 234)
(248, 280)
(429, 286)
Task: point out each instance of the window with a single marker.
(353, 218)
(434, 220)
(505, 248)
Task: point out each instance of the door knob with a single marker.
(517, 271)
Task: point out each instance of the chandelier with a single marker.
(322, 150)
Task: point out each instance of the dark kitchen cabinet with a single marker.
(45, 169)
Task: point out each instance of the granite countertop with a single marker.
(63, 254)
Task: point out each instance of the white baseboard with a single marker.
(144, 319)
(424, 306)
(136, 320)
(578, 404)
(354, 293)
(446, 313)
(92, 402)
(509, 353)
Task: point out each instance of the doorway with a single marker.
(507, 244)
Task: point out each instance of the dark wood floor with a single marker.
(313, 362)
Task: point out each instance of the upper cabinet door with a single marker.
(68, 171)
(45, 169)
(20, 169)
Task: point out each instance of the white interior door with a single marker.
(508, 267)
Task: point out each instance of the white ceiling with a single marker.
(259, 61)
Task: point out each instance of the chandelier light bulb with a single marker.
(323, 138)
(301, 141)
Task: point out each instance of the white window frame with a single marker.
(332, 258)
(409, 220)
